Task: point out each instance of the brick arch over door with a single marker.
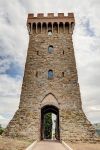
(50, 99)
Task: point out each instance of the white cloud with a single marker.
(13, 31)
(9, 86)
(4, 121)
(9, 97)
(14, 43)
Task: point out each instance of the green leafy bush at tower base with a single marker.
(1, 129)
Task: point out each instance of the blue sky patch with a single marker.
(14, 70)
(88, 29)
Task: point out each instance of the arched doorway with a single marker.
(50, 129)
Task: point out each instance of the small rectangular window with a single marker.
(36, 73)
(62, 74)
(37, 52)
(50, 74)
(50, 49)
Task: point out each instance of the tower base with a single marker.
(74, 127)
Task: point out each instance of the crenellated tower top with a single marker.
(37, 24)
(50, 15)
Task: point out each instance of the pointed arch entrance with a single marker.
(50, 126)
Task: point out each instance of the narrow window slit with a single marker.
(36, 73)
(37, 52)
(62, 74)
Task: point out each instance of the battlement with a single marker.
(50, 22)
(50, 15)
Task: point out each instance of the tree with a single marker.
(48, 125)
(1, 129)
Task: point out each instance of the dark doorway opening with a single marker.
(50, 123)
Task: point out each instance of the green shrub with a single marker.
(48, 125)
(1, 130)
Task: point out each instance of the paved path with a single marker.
(49, 145)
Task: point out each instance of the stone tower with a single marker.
(50, 82)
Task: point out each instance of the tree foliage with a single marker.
(48, 125)
(1, 129)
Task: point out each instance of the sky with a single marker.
(14, 43)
